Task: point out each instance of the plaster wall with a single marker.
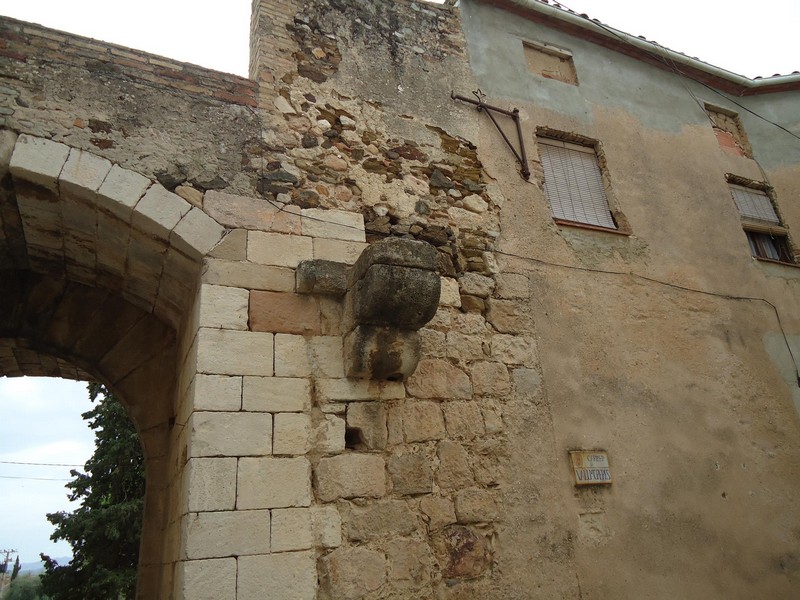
(690, 393)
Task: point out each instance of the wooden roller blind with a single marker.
(754, 204)
(573, 184)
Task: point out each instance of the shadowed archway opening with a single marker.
(98, 275)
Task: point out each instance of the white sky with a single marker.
(747, 37)
(41, 420)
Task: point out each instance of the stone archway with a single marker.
(99, 267)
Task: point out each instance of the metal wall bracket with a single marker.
(522, 159)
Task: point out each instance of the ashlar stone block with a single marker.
(474, 284)
(83, 173)
(350, 476)
(278, 249)
(252, 213)
(273, 483)
(284, 576)
(348, 390)
(321, 277)
(454, 470)
(223, 307)
(232, 247)
(336, 224)
(291, 529)
(276, 394)
(326, 524)
(338, 250)
(210, 484)
(217, 392)
(213, 579)
(196, 233)
(227, 533)
(330, 435)
(514, 349)
(226, 352)
(38, 160)
(292, 434)
(121, 190)
(247, 275)
(284, 313)
(326, 356)
(230, 434)
(292, 356)
(159, 211)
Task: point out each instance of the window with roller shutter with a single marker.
(573, 184)
(766, 235)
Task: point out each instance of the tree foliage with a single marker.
(25, 587)
(105, 530)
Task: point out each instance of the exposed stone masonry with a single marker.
(386, 488)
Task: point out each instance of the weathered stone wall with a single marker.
(283, 467)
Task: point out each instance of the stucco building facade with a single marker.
(359, 338)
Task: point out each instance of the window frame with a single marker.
(761, 233)
(739, 138)
(564, 57)
(574, 142)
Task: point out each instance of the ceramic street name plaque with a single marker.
(590, 467)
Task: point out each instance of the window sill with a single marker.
(776, 262)
(579, 225)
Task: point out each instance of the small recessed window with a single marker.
(550, 62)
(766, 235)
(729, 131)
(573, 184)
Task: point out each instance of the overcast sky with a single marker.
(40, 421)
(744, 36)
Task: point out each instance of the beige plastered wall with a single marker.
(692, 394)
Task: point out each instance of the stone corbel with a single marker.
(389, 294)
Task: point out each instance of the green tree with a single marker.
(105, 530)
(26, 587)
(15, 570)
